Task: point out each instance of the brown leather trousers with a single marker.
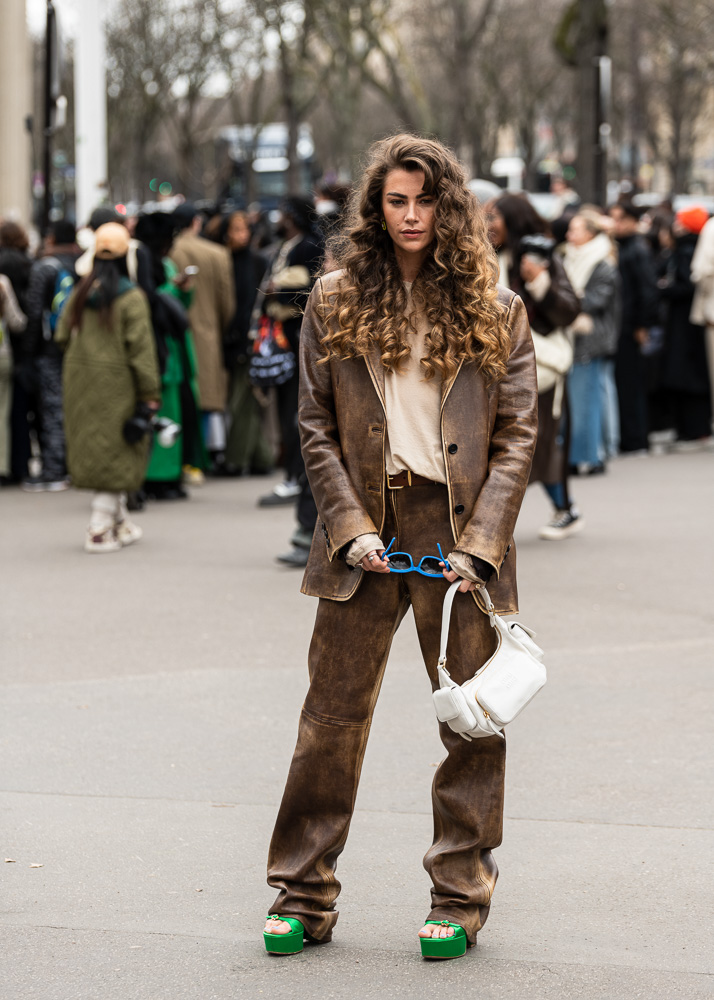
(348, 654)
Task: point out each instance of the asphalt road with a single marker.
(149, 711)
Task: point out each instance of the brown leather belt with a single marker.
(407, 478)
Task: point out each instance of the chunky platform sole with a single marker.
(285, 944)
(448, 947)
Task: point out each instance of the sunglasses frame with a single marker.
(386, 556)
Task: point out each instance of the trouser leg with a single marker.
(287, 413)
(105, 510)
(348, 653)
(5, 408)
(610, 412)
(630, 376)
(585, 413)
(52, 440)
(468, 787)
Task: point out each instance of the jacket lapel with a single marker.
(447, 386)
(376, 373)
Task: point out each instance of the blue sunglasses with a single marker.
(402, 562)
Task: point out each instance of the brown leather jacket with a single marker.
(488, 437)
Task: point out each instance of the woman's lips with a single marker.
(412, 233)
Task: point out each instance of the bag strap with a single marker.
(446, 615)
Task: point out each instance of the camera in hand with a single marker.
(538, 246)
(143, 421)
(139, 424)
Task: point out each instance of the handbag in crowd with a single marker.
(272, 362)
(554, 358)
(500, 689)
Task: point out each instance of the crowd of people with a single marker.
(620, 305)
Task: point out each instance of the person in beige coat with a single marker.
(212, 310)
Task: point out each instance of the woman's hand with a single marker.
(373, 562)
(530, 270)
(466, 585)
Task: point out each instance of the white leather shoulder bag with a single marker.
(500, 689)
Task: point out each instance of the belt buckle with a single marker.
(409, 480)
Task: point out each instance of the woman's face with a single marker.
(578, 233)
(497, 232)
(408, 212)
(238, 235)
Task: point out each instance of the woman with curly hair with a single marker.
(418, 423)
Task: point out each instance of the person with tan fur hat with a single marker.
(111, 388)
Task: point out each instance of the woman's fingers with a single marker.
(373, 562)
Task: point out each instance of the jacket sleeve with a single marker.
(39, 289)
(600, 290)
(341, 511)
(10, 308)
(680, 286)
(560, 304)
(648, 291)
(703, 260)
(489, 530)
(140, 347)
(225, 291)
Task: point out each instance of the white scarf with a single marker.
(580, 261)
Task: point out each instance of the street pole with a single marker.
(593, 131)
(90, 101)
(15, 105)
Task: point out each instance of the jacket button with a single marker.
(459, 508)
(453, 448)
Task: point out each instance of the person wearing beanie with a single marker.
(111, 388)
(692, 219)
(685, 375)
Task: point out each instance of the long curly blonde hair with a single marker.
(455, 287)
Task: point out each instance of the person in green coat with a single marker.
(110, 375)
(170, 295)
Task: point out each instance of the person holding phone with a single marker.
(530, 268)
(417, 418)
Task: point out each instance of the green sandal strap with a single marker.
(295, 925)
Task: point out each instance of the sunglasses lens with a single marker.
(430, 565)
(399, 562)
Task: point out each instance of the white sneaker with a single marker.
(287, 490)
(102, 540)
(564, 524)
(128, 532)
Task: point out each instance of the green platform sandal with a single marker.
(285, 944)
(448, 947)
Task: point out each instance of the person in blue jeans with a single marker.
(591, 265)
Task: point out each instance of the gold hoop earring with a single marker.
(384, 224)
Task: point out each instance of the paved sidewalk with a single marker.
(149, 710)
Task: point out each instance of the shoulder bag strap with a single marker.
(446, 615)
